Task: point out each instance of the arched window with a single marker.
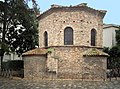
(93, 37)
(45, 39)
(68, 36)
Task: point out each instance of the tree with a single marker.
(114, 52)
(35, 6)
(19, 27)
(114, 58)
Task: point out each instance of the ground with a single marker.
(17, 83)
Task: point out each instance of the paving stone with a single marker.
(54, 84)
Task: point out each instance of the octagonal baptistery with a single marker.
(70, 31)
(67, 33)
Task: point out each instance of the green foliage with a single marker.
(106, 49)
(113, 60)
(21, 32)
(50, 50)
(4, 46)
(114, 52)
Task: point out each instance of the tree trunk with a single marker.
(3, 33)
(2, 62)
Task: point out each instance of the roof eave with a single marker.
(95, 55)
(53, 8)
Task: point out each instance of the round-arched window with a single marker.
(68, 36)
(45, 39)
(93, 37)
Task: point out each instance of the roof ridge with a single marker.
(55, 6)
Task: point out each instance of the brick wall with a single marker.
(69, 63)
(80, 20)
(65, 62)
(94, 68)
(34, 67)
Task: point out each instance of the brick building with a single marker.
(70, 44)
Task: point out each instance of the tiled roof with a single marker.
(110, 25)
(94, 52)
(37, 51)
(59, 7)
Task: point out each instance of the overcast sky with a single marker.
(112, 7)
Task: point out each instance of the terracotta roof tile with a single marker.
(37, 51)
(55, 7)
(94, 52)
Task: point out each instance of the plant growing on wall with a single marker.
(50, 50)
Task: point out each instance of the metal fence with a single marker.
(9, 73)
(113, 73)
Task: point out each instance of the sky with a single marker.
(112, 6)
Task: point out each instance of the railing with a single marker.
(9, 73)
(113, 73)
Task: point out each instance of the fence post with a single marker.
(11, 74)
